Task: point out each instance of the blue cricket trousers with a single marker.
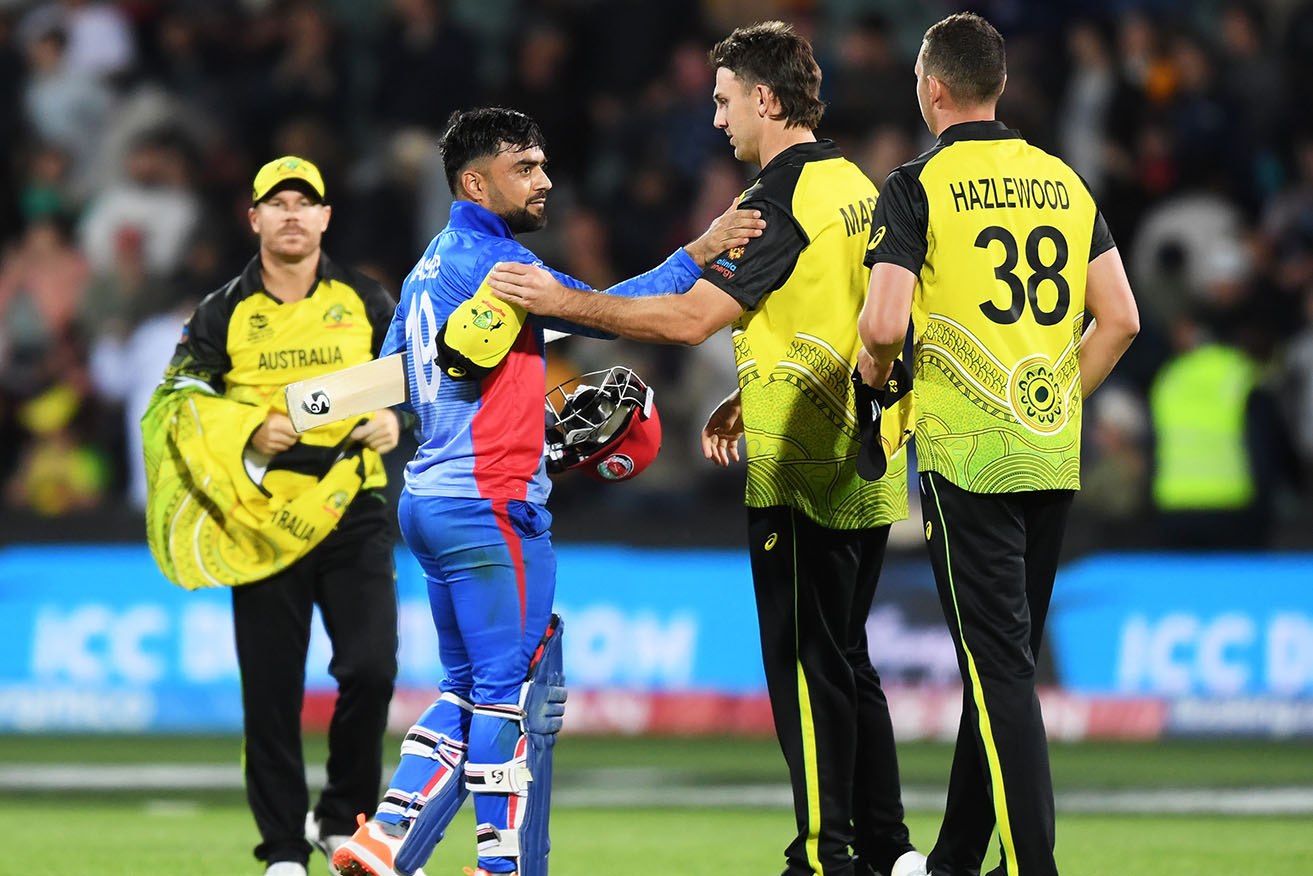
(491, 575)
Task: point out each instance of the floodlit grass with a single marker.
(1085, 765)
(184, 833)
(76, 838)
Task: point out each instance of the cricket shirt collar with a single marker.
(471, 216)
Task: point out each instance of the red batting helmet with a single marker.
(607, 425)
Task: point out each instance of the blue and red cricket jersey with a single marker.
(484, 438)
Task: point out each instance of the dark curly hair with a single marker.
(483, 133)
(771, 53)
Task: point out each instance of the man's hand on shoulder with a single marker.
(275, 434)
(380, 432)
(732, 228)
(529, 286)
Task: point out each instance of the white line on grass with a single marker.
(640, 786)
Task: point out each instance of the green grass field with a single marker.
(186, 832)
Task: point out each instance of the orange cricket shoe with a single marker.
(370, 851)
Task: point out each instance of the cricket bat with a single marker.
(350, 392)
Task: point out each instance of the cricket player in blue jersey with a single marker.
(473, 509)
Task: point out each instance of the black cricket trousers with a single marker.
(814, 588)
(350, 576)
(994, 558)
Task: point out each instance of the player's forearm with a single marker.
(662, 319)
(882, 324)
(884, 354)
(882, 342)
(1101, 346)
(1110, 302)
(676, 275)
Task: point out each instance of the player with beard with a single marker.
(473, 508)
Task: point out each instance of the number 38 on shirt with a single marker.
(1046, 256)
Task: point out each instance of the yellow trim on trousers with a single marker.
(978, 694)
(807, 726)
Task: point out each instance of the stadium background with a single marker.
(133, 130)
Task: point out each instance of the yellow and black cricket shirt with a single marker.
(999, 234)
(802, 284)
(248, 345)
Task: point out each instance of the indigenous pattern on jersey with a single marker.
(802, 284)
(1000, 234)
(217, 512)
(484, 438)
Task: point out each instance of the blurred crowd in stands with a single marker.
(133, 129)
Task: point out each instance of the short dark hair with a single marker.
(771, 53)
(483, 133)
(966, 53)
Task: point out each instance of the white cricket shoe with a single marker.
(909, 864)
(285, 868)
(328, 843)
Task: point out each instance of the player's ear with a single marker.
(473, 183)
(937, 90)
(764, 97)
(250, 217)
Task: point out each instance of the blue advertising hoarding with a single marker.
(1212, 626)
(94, 639)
